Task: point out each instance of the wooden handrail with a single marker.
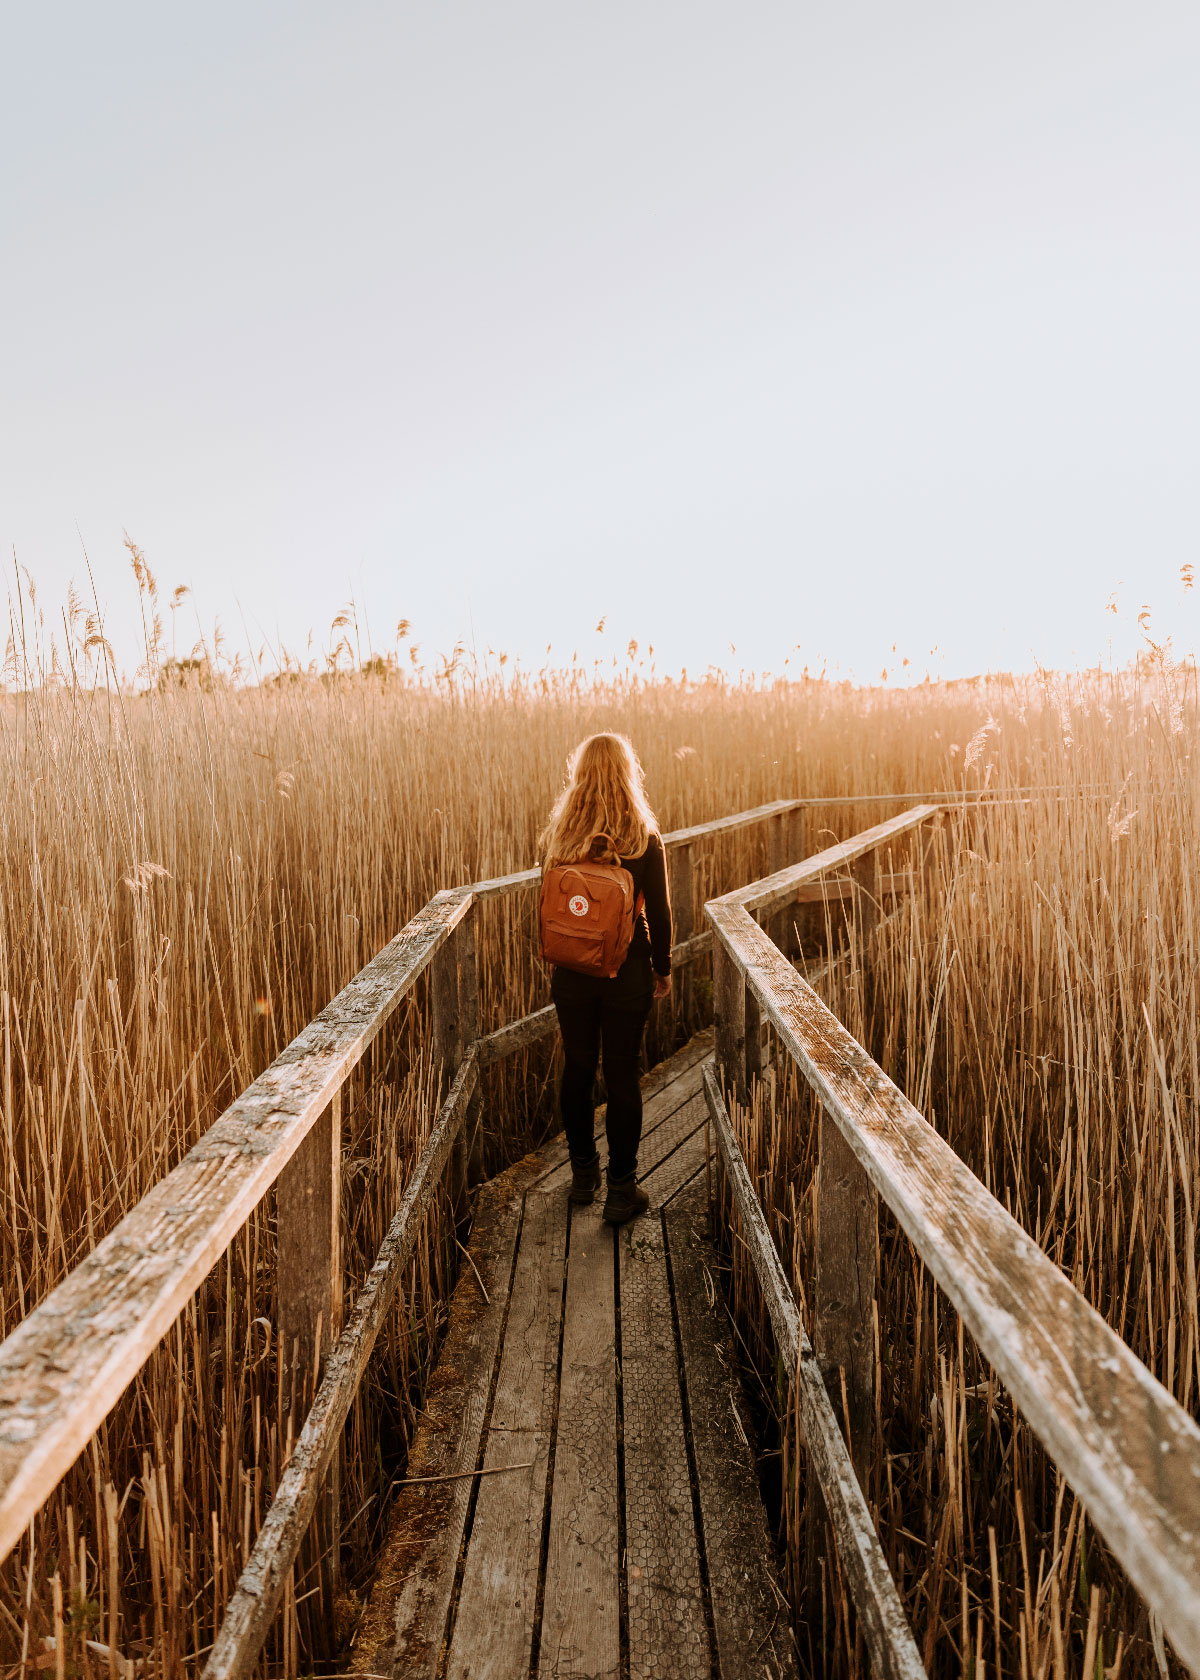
(1129, 1450)
(885, 1627)
(66, 1365)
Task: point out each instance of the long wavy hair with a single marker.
(602, 811)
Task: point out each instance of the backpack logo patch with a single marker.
(578, 906)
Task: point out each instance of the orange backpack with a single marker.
(586, 916)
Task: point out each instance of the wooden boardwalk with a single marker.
(603, 1515)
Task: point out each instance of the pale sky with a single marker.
(810, 329)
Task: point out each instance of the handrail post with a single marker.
(470, 1138)
(446, 1039)
(778, 857)
(864, 872)
(752, 1022)
(847, 1271)
(798, 845)
(682, 886)
(309, 1309)
(729, 1020)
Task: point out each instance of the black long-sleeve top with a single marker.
(652, 930)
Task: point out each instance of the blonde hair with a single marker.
(604, 796)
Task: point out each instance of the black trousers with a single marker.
(604, 1018)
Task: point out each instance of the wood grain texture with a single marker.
(404, 1625)
(64, 1367)
(1130, 1452)
(252, 1605)
(847, 1272)
(308, 1289)
(309, 1256)
(752, 1620)
(881, 1616)
(729, 1021)
(518, 1035)
(667, 1177)
(864, 872)
(493, 1627)
(668, 1633)
(682, 878)
(580, 1634)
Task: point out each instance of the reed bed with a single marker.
(191, 866)
(1038, 1004)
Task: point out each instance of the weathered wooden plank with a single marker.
(471, 1141)
(751, 1616)
(445, 1032)
(881, 1616)
(308, 1288)
(756, 1039)
(308, 1283)
(779, 855)
(667, 1177)
(580, 1622)
(665, 1142)
(493, 1626)
(847, 1271)
(724, 825)
(729, 1021)
(668, 1634)
(253, 1603)
(681, 871)
(404, 1625)
(65, 1366)
(864, 871)
(1130, 1452)
(774, 890)
(499, 886)
(518, 1035)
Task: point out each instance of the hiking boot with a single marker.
(625, 1200)
(585, 1181)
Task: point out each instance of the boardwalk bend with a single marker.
(580, 1497)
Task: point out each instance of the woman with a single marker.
(603, 809)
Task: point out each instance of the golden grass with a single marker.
(188, 874)
(1040, 1007)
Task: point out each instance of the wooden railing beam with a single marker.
(1129, 1450)
(894, 1655)
(67, 1364)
